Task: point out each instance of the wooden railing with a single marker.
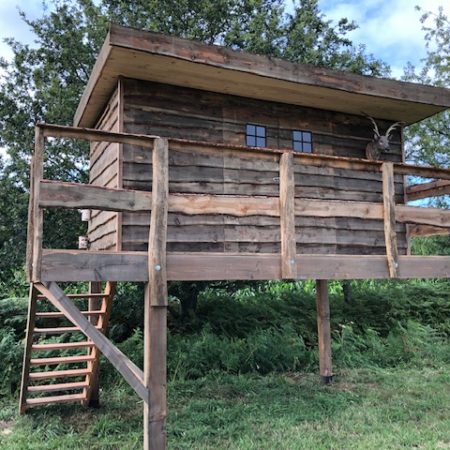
(64, 265)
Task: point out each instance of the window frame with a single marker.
(256, 135)
(302, 141)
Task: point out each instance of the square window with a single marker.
(255, 135)
(302, 141)
(307, 147)
(261, 132)
(251, 141)
(260, 142)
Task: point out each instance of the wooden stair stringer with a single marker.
(101, 322)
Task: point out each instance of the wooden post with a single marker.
(94, 304)
(155, 318)
(28, 344)
(287, 217)
(323, 330)
(390, 235)
(35, 214)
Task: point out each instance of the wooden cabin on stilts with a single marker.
(211, 164)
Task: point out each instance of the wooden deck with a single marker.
(287, 208)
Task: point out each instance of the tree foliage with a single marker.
(429, 141)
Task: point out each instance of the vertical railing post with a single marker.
(155, 316)
(35, 214)
(390, 235)
(287, 217)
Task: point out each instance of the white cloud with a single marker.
(391, 30)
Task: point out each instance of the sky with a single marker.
(390, 29)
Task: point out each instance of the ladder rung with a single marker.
(62, 345)
(58, 374)
(58, 330)
(61, 360)
(49, 315)
(98, 295)
(55, 399)
(58, 386)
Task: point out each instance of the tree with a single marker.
(429, 141)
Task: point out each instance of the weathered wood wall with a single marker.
(104, 171)
(164, 110)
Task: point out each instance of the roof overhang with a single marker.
(150, 56)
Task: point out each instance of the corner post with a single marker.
(32, 303)
(35, 213)
(155, 316)
(324, 331)
(390, 236)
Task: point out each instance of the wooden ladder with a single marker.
(62, 372)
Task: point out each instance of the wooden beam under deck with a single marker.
(67, 265)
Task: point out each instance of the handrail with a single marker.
(343, 162)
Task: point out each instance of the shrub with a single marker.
(11, 354)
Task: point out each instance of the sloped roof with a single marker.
(150, 56)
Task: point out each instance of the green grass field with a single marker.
(400, 408)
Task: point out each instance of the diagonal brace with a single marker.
(132, 374)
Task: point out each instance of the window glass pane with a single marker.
(251, 141)
(307, 137)
(297, 135)
(260, 142)
(307, 147)
(261, 131)
(250, 130)
(297, 146)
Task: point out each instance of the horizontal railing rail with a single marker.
(56, 194)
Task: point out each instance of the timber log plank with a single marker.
(66, 265)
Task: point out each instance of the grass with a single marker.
(401, 408)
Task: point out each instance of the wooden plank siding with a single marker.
(104, 171)
(176, 112)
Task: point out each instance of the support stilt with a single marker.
(324, 331)
(155, 338)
